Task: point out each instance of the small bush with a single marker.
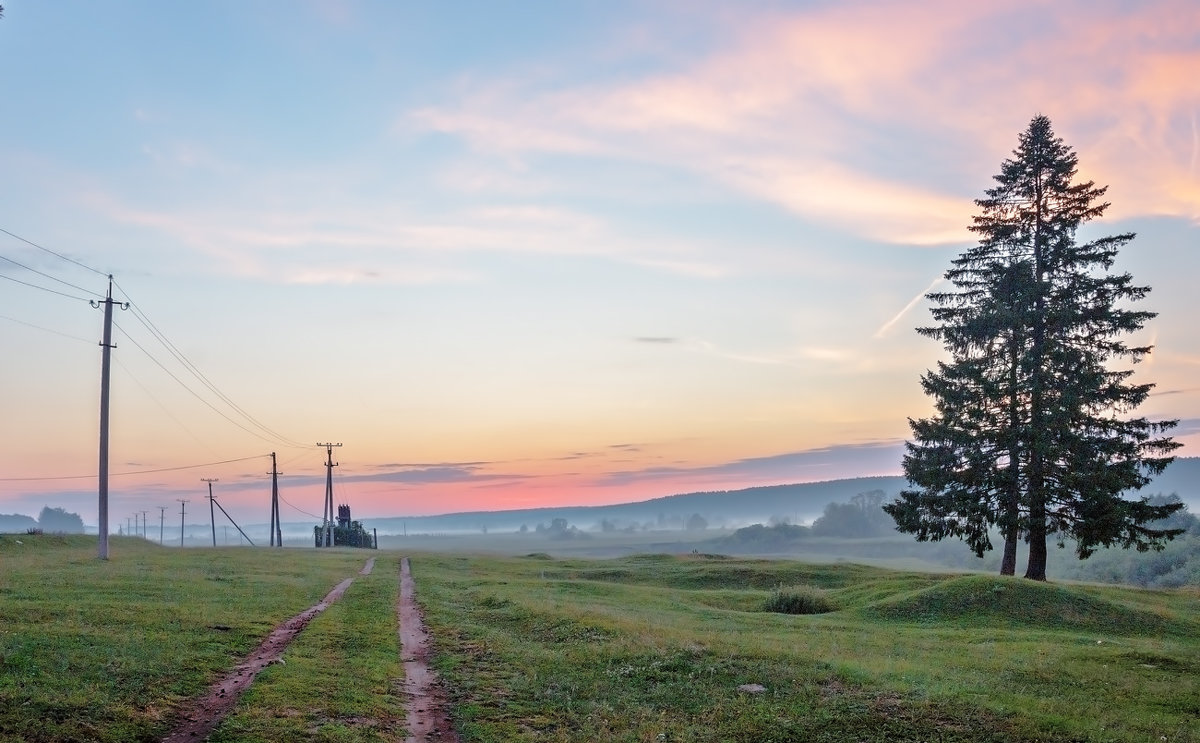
(799, 600)
(33, 531)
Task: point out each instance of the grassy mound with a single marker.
(978, 600)
(715, 572)
(18, 543)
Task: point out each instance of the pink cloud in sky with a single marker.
(608, 476)
(781, 112)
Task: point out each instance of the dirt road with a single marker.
(428, 720)
(202, 715)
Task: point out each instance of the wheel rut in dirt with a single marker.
(428, 718)
(198, 718)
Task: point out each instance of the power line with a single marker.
(45, 289)
(51, 252)
(160, 405)
(48, 276)
(187, 363)
(301, 510)
(189, 389)
(48, 330)
(135, 472)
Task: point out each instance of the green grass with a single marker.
(642, 648)
(653, 647)
(102, 651)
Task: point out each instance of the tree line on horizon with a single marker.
(1030, 435)
(53, 520)
(861, 529)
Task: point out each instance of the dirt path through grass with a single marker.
(428, 721)
(198, 718)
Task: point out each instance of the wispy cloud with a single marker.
(818, 109)
(827, 463)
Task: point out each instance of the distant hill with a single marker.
(798, 503)
(1181, 478)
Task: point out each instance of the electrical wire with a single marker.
(150, 326)
(170, 415)
(189, 389)
(45, 289)
(135, 472)
(187, 363)
(301, 510)
(51, 252)
(48, 276)
(48, 330)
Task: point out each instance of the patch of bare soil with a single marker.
(428, 718)
(198, 718)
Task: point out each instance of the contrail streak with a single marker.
(887, 326)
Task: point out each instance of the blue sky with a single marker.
(566, 253)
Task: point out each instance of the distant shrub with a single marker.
(798, 600)
(757, 536)
(33, 530)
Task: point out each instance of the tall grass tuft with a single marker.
(798, 600)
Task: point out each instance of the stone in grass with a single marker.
(752, 688)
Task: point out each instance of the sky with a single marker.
(542, 253)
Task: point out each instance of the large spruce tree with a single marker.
(1028, 434)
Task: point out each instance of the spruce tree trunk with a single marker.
(1008, 565)
(1036, 569)
(1036, 494)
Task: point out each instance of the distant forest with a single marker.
(862, 529)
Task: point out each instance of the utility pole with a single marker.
(144, 526)
(276, 529)
(328, 515)
(105, 363)
(211, 518)
(162, 518)
(182, 510)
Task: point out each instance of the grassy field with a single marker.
(102, 651)
(638, 648)
(654, 648)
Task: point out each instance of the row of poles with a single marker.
(144, 532)
(105, 363)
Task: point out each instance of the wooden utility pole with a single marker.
(328, 514)
(182, 510)
(144, 535)
(105, 363)
(162, 519)
(276, 529)
(211, 518)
